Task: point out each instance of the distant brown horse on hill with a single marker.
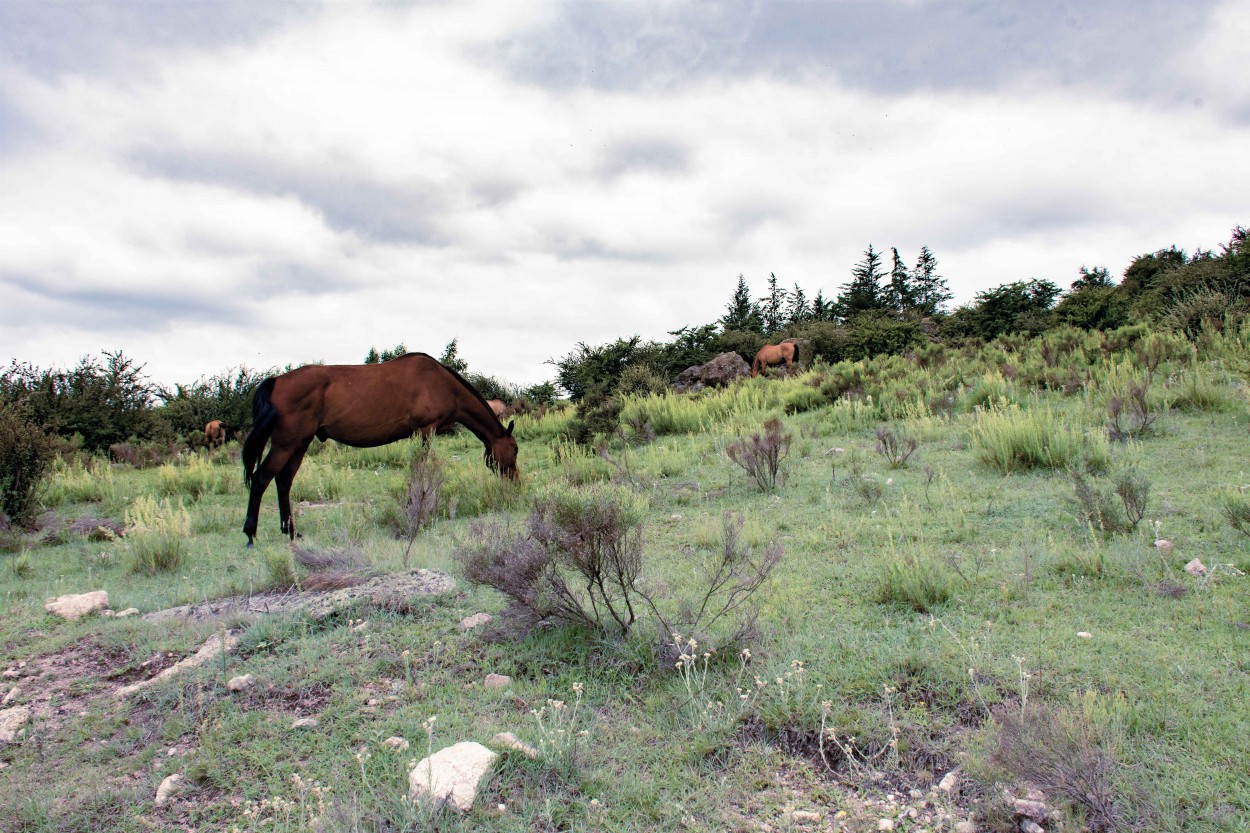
(364, 406)
(774, 354)
(215, 433)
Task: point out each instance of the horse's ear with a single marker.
(508, 430)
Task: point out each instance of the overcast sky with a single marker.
(245, 182)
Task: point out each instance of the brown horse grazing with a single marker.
(774, 354)
(364, 406)
(496, 405)
(215, 433)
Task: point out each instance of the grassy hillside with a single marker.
(963, 608)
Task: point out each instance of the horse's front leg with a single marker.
(283, 482)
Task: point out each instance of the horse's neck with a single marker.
(481, 421)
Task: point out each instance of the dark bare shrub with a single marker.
(895, 447)
(577, 564)
(1129, 410)
(419, 504)
(1061, 752)
(1119, 508)
(761, 455)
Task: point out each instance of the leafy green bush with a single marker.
(25, 455)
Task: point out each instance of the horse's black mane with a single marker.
(459, 378)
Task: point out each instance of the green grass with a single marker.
(913, 616)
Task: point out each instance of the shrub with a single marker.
(761, 455)
(419, 504)
(195, 477)
(82, 479)
(578, 564)
(25, 455)
(1236, 510)
(1119, 508)
(895, 447)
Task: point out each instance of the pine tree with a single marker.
(797, 309)
(823, 309)
(742, 314)
(863, 293)
(931, 291)
(374, 357)
(771, 306)
(900, 294)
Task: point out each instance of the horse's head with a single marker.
(501, 454)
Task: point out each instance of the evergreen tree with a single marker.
(929, 288)
(900, 294)
(451, 360)
(374, 357)
(1099, 276)
(797, 309)
(742, 314)
(771, 306)
(863, 293)
(823, 309)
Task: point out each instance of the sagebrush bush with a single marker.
(761, 455)
(419, 504)
(1013, 439)
(895, 447)
(25, 455)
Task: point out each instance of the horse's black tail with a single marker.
(264, 416)
(796, 351)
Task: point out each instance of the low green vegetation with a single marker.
(750, 609)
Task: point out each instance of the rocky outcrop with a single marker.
(76, 606)
(718, 372)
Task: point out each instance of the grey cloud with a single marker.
(49, 38)
(376, 211)
(1121, 45)
(119, 309)
(642, 155)
(15, 129)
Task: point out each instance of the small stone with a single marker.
(1030, 826)
(1196, 568)
(130, 611)
(1163, 545)
(885, 824)
(1084, 635)
(805, 817)
(509, 741)
(74, 606)
(396, 744)
(915, 794)
(13, 694)
(468, 623)
(305, 723)
(1031, 809)
(965, 827)
(497, 681)
(167, 789)
(949, 781)
(912, 812)
(241, 683)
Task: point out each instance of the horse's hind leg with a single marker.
(272, 465)
(283, 482)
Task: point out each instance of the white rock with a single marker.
(468, 623)
(11, 723)
(304, 723)
(75, 606)
(1030, 826)
(212, 648)
(167, 788)
(1084, 635)
(241, 683)
(497, 681)
(509, 741)
(965, 827)
(397, 744)
(885, 824)
(1163, 545)
(949, 781)
(13, 694)
(805, 817)
(130, 611)
(452, 775)
(1196, 568)
(1030, 808)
